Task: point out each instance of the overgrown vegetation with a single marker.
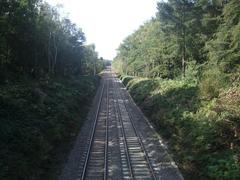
(184, 68)
(202, 135)
(39, 120)
(48, 76)
(37, 41)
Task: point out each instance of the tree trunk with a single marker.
(55, 54)
(183, 43)
(94, 68)
(49, 53)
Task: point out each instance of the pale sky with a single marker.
(107, 22)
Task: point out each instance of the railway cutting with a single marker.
(117, 141)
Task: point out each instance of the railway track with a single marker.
(116, 149)
(96, 159)
(136, 156)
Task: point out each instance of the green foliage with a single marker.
(225, 47)
(188, 60)
(182, 67)
(126, 79)
(213, 80)
(44, 96)
(141, 53)
(202, 135)
(166, 45)
(36, 41)
(38, 122)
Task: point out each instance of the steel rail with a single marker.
(106, 138)
(139, 140)
(92, 134)
(124, 138)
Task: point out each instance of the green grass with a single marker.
(39, 121)
(203, 135)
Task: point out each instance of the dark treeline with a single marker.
(48, 77)
(183, 68)
(35, 40)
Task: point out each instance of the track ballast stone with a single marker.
(129, 148)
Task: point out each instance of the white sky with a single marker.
(107, 22)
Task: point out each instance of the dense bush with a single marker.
(126, 79)
(38, 122)
(202, 135)
(194, 47)
(212, 81)
(45, 87)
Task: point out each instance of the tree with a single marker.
(174, 15)
(224, 48)
(36, 41)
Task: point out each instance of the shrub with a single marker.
(126, 79)
(202, 135)
(211, 83)
(34, 133)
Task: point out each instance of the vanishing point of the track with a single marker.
(117, 141)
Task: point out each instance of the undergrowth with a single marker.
(38, 123)
(203, 134)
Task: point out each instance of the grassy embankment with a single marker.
(200, 123)
(39, 121)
